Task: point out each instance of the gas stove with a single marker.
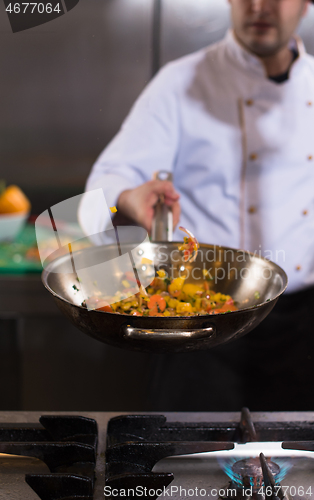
(89, 456)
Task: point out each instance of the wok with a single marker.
(253, 282)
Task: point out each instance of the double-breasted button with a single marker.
(253, 156)
(305, 212)
(310, 157)
(252, 209)
(309, 103)
(298, 268)
(249, 102)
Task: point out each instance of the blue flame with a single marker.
(285, 465)
(227, 463)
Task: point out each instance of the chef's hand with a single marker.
(138, 203)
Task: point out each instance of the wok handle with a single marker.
(162, 226)
(164, 334)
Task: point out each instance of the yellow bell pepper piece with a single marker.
(191, 289)
(172, 303)
(219, 297)
(176, 285)
(126, 306)
(161, 273)
(198, 304)
(183, 307)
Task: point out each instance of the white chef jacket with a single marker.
(240, 147)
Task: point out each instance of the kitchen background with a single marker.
(66, 87)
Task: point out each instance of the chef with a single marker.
(234, 123)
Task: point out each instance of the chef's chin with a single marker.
(262, 44)
(263, 49)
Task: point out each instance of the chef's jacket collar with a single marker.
(239, 54)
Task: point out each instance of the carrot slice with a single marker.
(225, 308)
(102, 305)
(157, 303)
(137, 313)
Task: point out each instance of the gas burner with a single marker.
(254, 478)
(249, 472)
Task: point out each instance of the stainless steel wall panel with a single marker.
(188, 25)
(67, 85)
(306, 30)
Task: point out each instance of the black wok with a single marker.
(253, 282)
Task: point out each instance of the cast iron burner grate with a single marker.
(135, 443)
(66, 444)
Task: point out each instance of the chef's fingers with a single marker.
(164, 187)
(141, 203)
(138, 203)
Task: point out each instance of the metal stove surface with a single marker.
(191, 473)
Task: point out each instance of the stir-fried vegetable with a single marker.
(164, 297)
(190, 246)
(156, 304)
